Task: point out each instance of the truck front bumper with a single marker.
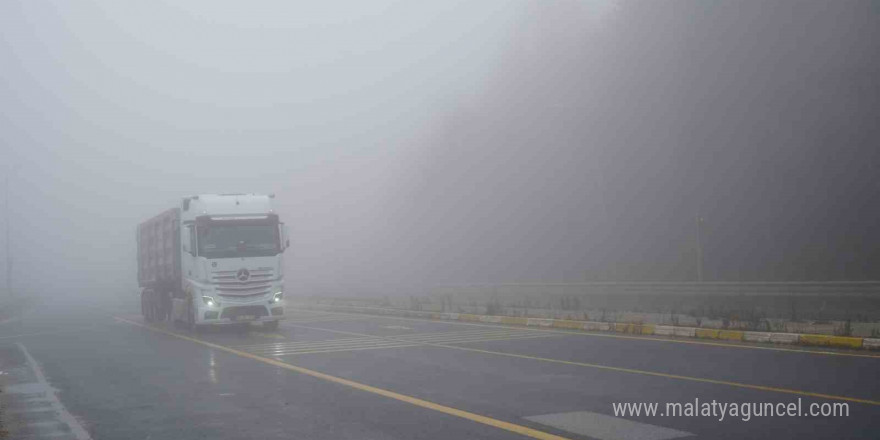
(240, 313)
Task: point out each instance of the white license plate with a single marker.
(245, 317)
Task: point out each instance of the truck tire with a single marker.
(164, 306)
(191, 316)
(147, 305)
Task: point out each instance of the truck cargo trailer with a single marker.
(215, 259)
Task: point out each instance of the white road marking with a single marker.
(376, 342)
(605, 427)
(42, 387)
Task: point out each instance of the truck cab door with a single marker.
(189, 252)
(189, 271)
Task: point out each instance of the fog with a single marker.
(412, 143)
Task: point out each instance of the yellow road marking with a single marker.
(641, 338)
(323, 318)
(363, 344)
(388, 344)
(377, 344)
(338, 350)
(500, 424)
(633, 370)
(291, 344)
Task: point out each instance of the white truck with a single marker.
(215, 259)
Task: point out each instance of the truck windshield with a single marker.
(237, 240)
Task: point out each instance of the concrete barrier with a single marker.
(871, 343)
(467, 317)
(784, 338)
(539, 322)
(707, 333)
(831, 341)
(730, 335)
(687, 332)
(514, 320)
(664, 330)
(597, 326)
(756, 336)
(633, 328)
(621, 327)
(564, 323)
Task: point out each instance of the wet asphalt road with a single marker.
(389, 378)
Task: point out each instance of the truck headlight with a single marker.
(278, 296)
(209, 301)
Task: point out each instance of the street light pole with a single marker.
(6, 223)
(699, 248)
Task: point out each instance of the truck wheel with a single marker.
(147, 306)
(164, 305)
(270, 325)
(190, 316)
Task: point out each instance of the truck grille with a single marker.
(259, 282)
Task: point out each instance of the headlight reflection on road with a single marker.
(212, 368)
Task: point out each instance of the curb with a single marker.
(626, 328)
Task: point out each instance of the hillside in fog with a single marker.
(605, 132)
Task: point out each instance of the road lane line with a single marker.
(458, 335)
(640, 338)
(269, 335)
(339, 350)
(53, 333)
(342, 344)
(314, 345)
(605, 427)
(357, 344)
(384, 343)
(500, 424)
(634, 371)
(478, 339)
(294, 343)
(372, 345)
(62, 416)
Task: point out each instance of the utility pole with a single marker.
(7, 220)
(699, 248)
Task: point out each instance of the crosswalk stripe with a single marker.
(377, 342)
(428, 338)
(500, 338)
(264, 344)
(409, 337)
(368, 344)
(326, 344)
(325, 318)
(346, 348)
(606, 427)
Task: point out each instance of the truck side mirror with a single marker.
(285, 239)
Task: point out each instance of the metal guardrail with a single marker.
(814, 289)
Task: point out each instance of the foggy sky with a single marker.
(111, 112)
(414, 142)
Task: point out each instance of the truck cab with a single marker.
(231, 261)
